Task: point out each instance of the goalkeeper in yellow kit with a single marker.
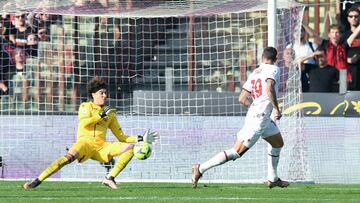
(94, 120)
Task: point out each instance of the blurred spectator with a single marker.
(5, 62)
(128, 4)
(218, 79)
(230, 82)
(323, 77)
(303, 49)
(5, 70)
(335, 50)
(43, 20)
(43, 34)
(22, 76)
(32, 45)
(79, 2)
(68, 58)
(7, 26)
(353, 53)
(2, 31)
(19, 35)
(288, 58)
(4, 87)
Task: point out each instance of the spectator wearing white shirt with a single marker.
(303, 49)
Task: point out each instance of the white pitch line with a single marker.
(239, 188)
(126, 187)
(172, 198)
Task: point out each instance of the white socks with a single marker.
(273, 161)
(219, 159)
(231, 154)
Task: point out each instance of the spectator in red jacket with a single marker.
(335, 50)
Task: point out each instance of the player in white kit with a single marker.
(259, 95)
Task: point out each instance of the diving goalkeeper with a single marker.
(94, 120)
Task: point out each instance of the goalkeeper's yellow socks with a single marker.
(121, 163)
(53, 168)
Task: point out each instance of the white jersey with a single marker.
(256, 85)
(303, 50)
(258, 122)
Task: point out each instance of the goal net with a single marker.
(174, 66)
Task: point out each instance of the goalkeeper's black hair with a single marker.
(95, 85)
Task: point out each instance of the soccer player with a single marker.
(262, 86)
(94, 120)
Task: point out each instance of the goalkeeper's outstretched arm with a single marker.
(149, 136)
(119, 134)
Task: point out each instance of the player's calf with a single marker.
(31, 184)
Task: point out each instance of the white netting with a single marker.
(173, 66)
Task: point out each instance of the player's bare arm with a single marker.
(244, 98)
(302, 60)
(353, 36)
(354, 59)
(270, 90)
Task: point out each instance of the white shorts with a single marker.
(255, 129)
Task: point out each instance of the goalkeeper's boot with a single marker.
(32, 184)
(196, 175)
(110, 182)
(278, 183)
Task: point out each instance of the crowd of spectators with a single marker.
(20, 34)
(321, 59)
(341, 51)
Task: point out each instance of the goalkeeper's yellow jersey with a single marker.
(93, 128)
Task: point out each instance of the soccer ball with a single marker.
(142, 150)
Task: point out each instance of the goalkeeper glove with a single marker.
(149, 137)
(107, 110)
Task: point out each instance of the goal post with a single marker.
(175, 66)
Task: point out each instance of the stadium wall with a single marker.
(332, 147)
(227, 104)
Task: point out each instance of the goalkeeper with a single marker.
(94, 120)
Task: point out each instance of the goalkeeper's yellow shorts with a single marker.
(103, 153)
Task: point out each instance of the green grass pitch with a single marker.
(11, 191)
